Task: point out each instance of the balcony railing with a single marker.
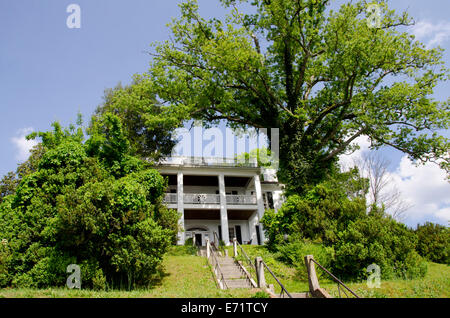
(236, 199)
(209, 161)
(207, 198)
(170, 198)
(201, 198)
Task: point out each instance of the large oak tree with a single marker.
(322, 77)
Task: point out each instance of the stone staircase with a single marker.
(234, 276)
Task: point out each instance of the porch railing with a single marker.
(209, 161)
(208, 198)
(201, 198)
(236, 199)
(170, 198)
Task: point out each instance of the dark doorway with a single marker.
(238, 234)
(258, 235)
(198, 239)
(270, 200)
(220, 232)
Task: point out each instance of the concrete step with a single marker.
(300, 295)
(228, 265)
(237, 283)
(232, 275)
(226, 261)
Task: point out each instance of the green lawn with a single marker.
(189, 276)
(185, 276)
(436, 283)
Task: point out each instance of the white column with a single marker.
(223, 210)
(180, 207)
(252, 222)
(260, 203)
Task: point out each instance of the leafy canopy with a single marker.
(322, 77)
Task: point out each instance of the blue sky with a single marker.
(49, 72)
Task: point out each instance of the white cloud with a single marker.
(424, 187)
(348, 160)
(432, 33)
(23, 145)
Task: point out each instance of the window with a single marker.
(258, 235)
(231, 233)
(270, 200)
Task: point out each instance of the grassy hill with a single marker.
(185, 275)
(189, 276)
(436, 283)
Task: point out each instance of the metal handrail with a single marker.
(337, 280)
(249, 261)
(217, 268)
(218, 243)
(283, 289)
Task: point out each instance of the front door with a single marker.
(238, 234)
(198, 239)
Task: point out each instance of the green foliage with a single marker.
(11, 180)
(148, 127)
(87, 203)
(323, 77)
(183, 250)
(189, 242)
(381, 241)
(434, 242)
(261, 294)
(263, 157)
(334, 213)
(321, 213)
(294, 253)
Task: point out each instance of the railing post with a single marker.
(313, 281)
(208, 247)
(312, 275)
(235, 247)
(260, 272)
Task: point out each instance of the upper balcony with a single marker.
(210, 199)
(208, 161)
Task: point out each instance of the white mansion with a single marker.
(220, 198)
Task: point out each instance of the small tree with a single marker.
(383, 193)
(434, 242)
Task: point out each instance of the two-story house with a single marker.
(220, 198)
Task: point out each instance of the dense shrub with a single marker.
(294, 253)
(334, 213)
(321, 213)
(381, 241)
(434, 242)
(90, 204)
